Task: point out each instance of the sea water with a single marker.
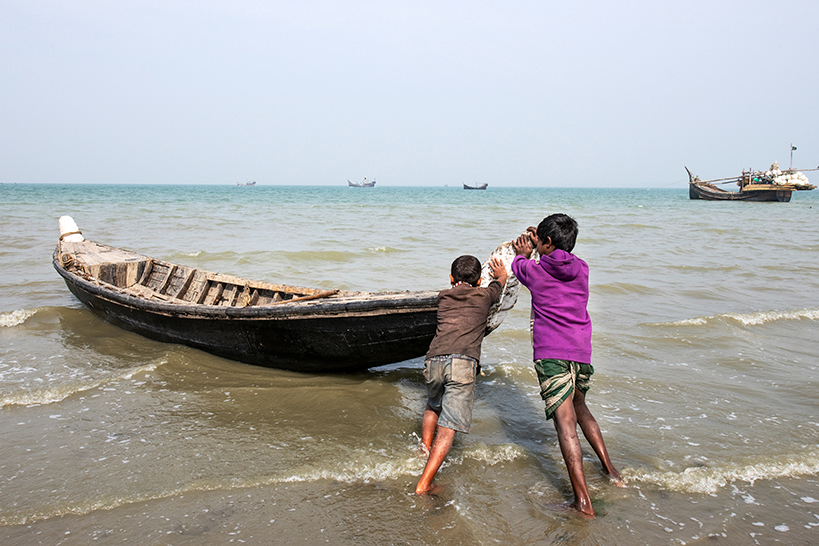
(706, 341)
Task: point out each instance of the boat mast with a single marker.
(792, 149)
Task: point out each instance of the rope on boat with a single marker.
(66, 234)
(67, 260)
(69, 263)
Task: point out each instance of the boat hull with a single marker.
(316, 337)
(708, 193)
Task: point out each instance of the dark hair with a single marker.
(466, 269)
(561, 229)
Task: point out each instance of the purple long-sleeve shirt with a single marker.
(559, 284)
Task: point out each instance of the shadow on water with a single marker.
(84, 335)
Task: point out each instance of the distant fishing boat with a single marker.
(248, 183)
(481, 187)
(364, 184)
(771, 185)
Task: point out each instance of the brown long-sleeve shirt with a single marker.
(462, 312)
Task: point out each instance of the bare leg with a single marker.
(566, 427)
(430, 423)
(591, 430)
(440, 448)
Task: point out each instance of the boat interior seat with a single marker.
(120, 274)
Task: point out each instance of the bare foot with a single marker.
(569, 508)
(616, 479)
(433, 490)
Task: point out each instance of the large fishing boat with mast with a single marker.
(771, 185)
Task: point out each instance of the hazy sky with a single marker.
(546, 93)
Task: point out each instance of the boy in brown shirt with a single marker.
(453, 359)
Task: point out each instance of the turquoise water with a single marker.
(705, 317)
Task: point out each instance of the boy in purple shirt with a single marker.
(561, 337)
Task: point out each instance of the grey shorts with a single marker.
(451, 389)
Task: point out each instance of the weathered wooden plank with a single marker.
(158, 275)
(217, 294)
(164, 286)
(146, 272)
(185, 285)
(122, 272)
(204, 286)
(198, 289)
(234, 297)
(285, 288)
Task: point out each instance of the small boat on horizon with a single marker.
(481, 187)
(771, 185)
(364, 184)
(248, 183)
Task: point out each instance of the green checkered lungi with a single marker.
(559, 378)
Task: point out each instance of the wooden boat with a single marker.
(273, 325)
(481, 187)
(771, 185)
(363, 184)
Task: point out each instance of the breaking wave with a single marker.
(49, 395)
(708, 480)
(363, 471)
(747, 319)
(385, 249)
(13, 318)
(358, 471)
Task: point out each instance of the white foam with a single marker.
(754, 319)
(494, 454)
(13, 318)
(362, 472)
(748, 319)
(49, 395)
(711, 479)
(356, 471)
